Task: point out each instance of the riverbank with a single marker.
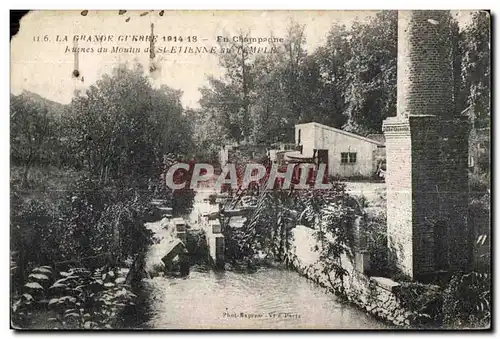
(381, 297)
(258, 293)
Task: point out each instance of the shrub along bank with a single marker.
(69, 252)
(317, 233)
(82, 179)
(460, 302)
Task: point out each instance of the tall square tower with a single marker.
(427, 153)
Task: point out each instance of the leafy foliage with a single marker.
(114, 137)
(370, 91)
(90, 221)
(375, 231)
(467, 301)
(78, 298)
(348, 82)
(121, 117)
(423, 300)
(33, 134)
(333, 215)
(330, 212)
(475, 46)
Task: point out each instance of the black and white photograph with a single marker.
(250, 170)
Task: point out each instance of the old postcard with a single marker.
(250, 170)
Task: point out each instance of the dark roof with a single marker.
(377, 137)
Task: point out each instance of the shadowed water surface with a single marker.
(270, 298)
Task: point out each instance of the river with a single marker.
(270, 298)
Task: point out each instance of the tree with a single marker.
(31, 134)
(221, 101)
(208, 134)
(287, 89)
(293, 58)
(122, 127)
(231, 96)
(327, 69)
(371, 73)
(271, 114)
(476, 65)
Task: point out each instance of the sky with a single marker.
(45, 68)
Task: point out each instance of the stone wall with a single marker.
(378, 296)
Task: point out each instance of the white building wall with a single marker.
(315, 136)
(307, 138)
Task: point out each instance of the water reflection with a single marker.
(267, 299)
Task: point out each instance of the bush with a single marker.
(39, 235)
(91, 223)
(332, 213)
(479, 219)
(423, 300)
(479, 183)
(107, 219)
(467, 301)
(77, 298)
(376, 238)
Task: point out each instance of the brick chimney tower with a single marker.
(427, 153)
